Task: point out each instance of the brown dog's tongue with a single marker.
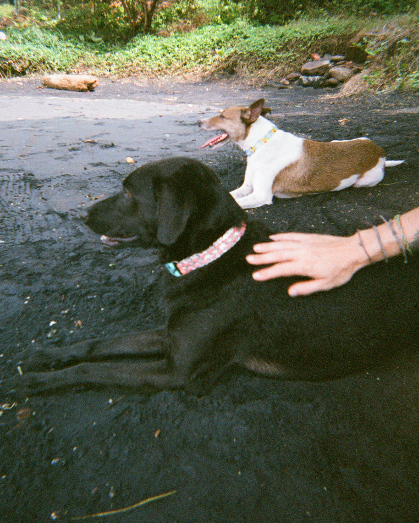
(216, 139)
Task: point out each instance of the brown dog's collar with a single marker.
(261, 142)
(200, 259)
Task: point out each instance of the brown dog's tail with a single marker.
(392, 163)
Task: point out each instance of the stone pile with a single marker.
(329, 71)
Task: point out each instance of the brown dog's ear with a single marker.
(174, 208)
(252, 113)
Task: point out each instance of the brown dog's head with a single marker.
(235, 123)
(177, 204)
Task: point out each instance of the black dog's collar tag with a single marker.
(172, 268)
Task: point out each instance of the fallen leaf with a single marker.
(95, 197)
(24, 413)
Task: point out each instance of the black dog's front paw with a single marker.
(42, 360)
(23, 385)
(17, 387)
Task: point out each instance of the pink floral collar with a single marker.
(200, 259)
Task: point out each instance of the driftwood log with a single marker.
(71, 82)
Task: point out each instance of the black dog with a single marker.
(218, 317)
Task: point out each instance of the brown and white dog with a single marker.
(284, 165)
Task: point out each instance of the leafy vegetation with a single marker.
(210, 37)
(275, 12)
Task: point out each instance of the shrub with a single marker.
(281, 11)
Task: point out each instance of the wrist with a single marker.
(361, 250)
(380, 243)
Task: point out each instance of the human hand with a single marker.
(330, 261)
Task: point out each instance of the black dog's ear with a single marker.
(266, 110)
(252, 113)
(174, 207)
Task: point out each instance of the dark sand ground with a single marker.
(253, 450)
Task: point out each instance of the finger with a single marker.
(306, 288)
(299, 237)
(278, 270)
(282, 246)
(291, 236)
(268, 258)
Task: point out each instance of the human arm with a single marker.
(331, 261)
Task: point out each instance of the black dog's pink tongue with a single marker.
(216, 139)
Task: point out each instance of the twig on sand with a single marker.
(126, 509)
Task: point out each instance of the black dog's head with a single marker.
(177, 203)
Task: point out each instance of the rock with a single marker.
(337, 58)
(68, 82)
(293, 77)
(332, 82)
(311, 81)
(315, 68)
(284, 82)
(318, 81)
(342, 74)
(305, 81)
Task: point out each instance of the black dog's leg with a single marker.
(144, 376)
(142, 361)
(132, 345)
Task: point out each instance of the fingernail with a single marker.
(293, 293)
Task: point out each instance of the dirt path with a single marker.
(253, 449)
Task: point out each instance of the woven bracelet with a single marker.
(399, 241)
(361, 243)
(380, 243)
(405, 242)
